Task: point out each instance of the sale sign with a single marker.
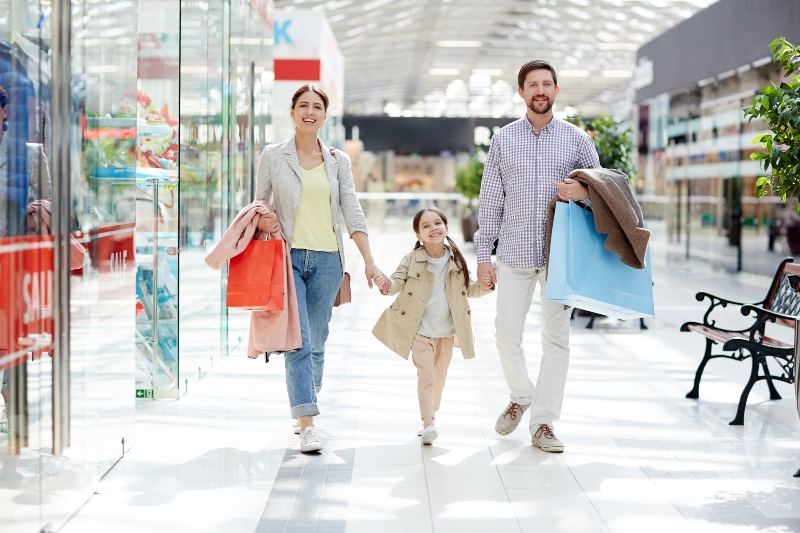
(26, 297)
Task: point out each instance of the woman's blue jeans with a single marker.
(317, 276)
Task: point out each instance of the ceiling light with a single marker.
(573, 73)
(616, 73)
(496, 72)
(459, 44)
(644, 12)
(443, 71)
(761, 62)
(726, 74)
(617, 46)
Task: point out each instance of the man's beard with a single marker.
(548, 107)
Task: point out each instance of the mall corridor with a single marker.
(639, 456)
(142, 142)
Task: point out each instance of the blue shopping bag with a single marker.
(583, 274)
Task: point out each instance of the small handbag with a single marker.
(343, 296)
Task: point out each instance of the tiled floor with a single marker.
(639, 456)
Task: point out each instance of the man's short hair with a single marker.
(536, 64)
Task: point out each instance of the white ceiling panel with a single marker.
(419, 56)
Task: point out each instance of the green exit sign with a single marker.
(144, 393)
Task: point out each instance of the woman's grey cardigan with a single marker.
(278, 182)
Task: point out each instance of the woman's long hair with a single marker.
(457, 257)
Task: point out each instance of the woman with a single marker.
(311, 188)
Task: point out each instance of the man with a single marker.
(527, 165)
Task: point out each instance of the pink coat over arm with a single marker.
(270, 331)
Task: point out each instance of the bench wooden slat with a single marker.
(724, 336)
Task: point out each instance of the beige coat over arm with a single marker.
(398, 325)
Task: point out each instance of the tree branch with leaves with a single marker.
(779, 107)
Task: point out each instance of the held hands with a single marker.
(572, 190)
(383, 283)
(373, 273)
(487, 277)
(268, 223)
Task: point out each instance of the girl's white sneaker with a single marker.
(429, 434)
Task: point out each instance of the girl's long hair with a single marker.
(457, 256)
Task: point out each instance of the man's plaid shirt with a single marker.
(519, 180)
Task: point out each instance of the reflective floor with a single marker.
(639, 456)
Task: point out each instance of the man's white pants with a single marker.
(515, 288)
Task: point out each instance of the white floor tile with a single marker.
(557, 510)
(541, 476)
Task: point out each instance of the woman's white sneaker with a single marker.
(309, 440)
(429, 434)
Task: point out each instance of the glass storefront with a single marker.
(225, 95)
(128, 145)
(701, 181)
(67, 251)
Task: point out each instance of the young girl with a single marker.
(431, 309)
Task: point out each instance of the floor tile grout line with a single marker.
(589, 499)
(500, 476)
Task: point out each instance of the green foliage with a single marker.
(577, 120)
(614, 144)
(468, 178)
(779, 107)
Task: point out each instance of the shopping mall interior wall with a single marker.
(716, 42)
(423, 136)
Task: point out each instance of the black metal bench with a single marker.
(781, 306)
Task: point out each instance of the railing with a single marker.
(394, 211)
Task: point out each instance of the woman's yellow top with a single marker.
(313, 229)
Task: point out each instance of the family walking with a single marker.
(305, 194)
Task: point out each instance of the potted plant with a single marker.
(468, 183)
(779, 107)
(614, 144)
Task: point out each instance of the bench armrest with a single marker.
(764, 315)
(717, 301)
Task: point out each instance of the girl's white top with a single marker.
(437, 321)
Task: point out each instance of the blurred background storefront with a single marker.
(131, 134)
(695, 144)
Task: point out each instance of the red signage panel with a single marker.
(26, 297)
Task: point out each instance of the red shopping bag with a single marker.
(255, 277)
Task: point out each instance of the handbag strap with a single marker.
(333, 153)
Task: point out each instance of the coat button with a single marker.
(463, 293)
(402, 312)
(411, 294)
(417, 274)
(469, 312)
